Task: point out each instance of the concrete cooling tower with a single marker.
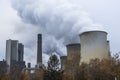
(63, 59)
(73, 52)
(93, 45)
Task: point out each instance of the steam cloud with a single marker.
(60, 21)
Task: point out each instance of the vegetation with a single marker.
(106, 69)
(53, 71)
(3, 70)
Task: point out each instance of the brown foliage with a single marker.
(106, 69)
(39, 74)
(5, 77)
(25, 76)
(71, 68)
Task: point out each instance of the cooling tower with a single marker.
(63, 59)
(39, 49)
(108, 44)
(73, 52)
(93, 45)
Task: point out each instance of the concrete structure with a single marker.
(20, 52)
(14, 53)
(63, 59)
(28, 68)
(108, 44)
(73, 51)
(29, 65)
(93, 45)
(39, 49)
(11, 51)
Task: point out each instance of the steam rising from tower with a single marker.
(60, 21)
(39, 49)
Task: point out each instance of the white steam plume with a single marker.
(60, 21)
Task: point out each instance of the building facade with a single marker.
(14, 53)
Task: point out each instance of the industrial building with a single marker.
(63, 59)
(14, 53)
(20, 52)
(39, 64)
(93, 44)
(73, 54)
(73, 51)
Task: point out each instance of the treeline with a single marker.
(52, 72)
(106, 69)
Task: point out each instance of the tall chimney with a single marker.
(39, 49)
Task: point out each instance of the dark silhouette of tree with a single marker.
(15, 72)
(105, 69)
(96, 69)
(3, 69)
(53, 71)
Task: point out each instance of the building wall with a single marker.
(20, 52)
(8, 52)
(14, 53)
(14, 50)
(93, 45)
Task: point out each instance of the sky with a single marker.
(60, 22)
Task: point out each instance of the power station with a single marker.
(14, 53)
(93, 44)
(73, 52)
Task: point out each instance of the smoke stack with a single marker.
(39, 49)
(93, 45)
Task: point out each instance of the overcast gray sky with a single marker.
(14, 26)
